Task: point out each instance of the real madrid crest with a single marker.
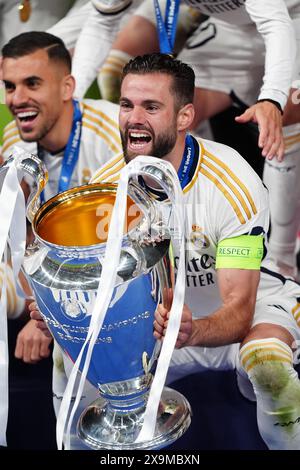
(198, 238)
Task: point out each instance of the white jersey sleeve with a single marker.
(110, 171)
(68, 29)
(110, 6)
(94, 44)
(273, 22)
(100, 137)
(236, 200)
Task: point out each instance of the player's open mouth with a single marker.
(28, 116)
(26, 119)
(138, 139)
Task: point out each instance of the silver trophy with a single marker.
(63, 265)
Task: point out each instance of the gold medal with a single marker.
(25, 10)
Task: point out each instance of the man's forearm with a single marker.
(227, 325)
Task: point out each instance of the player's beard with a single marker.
(162, 144)
(38, 132)
(37, 136)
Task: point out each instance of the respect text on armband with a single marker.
(234, 251)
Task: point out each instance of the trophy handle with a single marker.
(31, 165)
(160, 173)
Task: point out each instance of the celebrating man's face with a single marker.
(147, 115)
(34, 93)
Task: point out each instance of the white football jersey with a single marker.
(224, 198)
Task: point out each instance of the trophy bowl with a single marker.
(63, 266)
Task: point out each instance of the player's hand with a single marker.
(40, 324)
(161, 322)
(32, 345)
(269, 120)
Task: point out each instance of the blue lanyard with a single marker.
(71, 152)
(187, 162)
(184, 172)
(167, 27)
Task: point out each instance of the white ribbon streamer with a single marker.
(12, 206)
(3, 360)
(17, 240)
(103, 298)
(104, 294)
(168, 345)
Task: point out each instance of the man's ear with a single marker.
(185, 117)
(68, 87)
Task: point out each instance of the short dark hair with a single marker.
(27, 43)
(183, 85)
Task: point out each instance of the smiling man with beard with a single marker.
(40, 100)
(48, 121)
(247, 316)
(155, 126)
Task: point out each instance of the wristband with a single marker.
(273, 102)
(110, 7)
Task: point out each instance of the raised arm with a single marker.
(94, 43)
(275, 25)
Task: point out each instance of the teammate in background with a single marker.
(128, 43)
(32, 15)
(21, 16)
(89, 32)
(231, 58)
(213, 85)
(72, 138)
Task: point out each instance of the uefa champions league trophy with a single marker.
(63, 265)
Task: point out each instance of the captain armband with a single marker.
(108, 7)
(243, 252)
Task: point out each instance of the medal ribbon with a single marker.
(187, 162)
(167, 28)
(71, 152)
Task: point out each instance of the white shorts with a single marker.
(191, 360)
(280, 309)
(230, 58)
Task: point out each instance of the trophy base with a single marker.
(102, 427)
